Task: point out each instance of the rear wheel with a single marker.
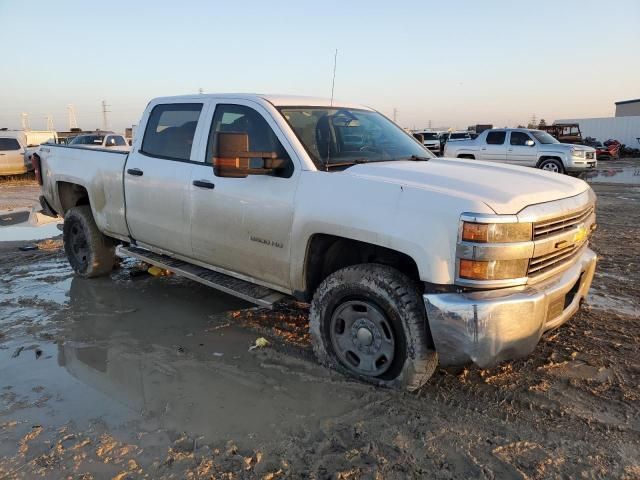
(552, 165)
(368, 321)
(90, 253)
(469, 156)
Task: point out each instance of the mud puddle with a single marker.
(27, 225)
(626, 175)
(163, 353)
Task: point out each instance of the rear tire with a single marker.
(467, 156)
(551, 165)
(90, 253)
(368, 321)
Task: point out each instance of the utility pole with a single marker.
(24, 120)
(395, 115)
(49, 119)
(105, 120)
(429, 124)
(71, 114)
(200, 91)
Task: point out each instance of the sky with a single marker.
(448, 63)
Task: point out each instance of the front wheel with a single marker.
(552, 165)
(90, 253)
(368, 321)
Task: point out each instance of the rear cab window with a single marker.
(9, 144)
(496, 137)
(170, 131)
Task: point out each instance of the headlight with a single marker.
(496, 232)
(577, 153)
(494, 269)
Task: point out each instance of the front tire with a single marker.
(552, 165)
(90, 253)
(368, 321)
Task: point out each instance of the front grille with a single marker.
(557, 225)
(544, 263)
(588, 155)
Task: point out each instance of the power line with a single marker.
(71, 114)
(105, 120)
(24, 121)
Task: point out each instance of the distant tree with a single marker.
(521, 126)
(542, 123)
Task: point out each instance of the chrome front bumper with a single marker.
(490, 326)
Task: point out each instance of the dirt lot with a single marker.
(152, 377)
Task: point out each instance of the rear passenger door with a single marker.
(157, 178)
(522, 149)
(494, 149)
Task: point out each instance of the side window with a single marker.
(119, 141)
(170, 130)
(241, 119)
(7, 144)
(496, 137)
(111, 141)
(519, 138)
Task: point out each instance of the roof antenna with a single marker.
(333, 82)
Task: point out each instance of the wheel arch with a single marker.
(326, 254)
(549, 157)
(71, 195)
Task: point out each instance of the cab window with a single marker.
(7, 144)
(496, 137)
(519, 138)
(241, 119)
(170, 131)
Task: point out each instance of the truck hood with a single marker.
(506, 189)
(565, 147)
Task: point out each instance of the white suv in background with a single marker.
(431, 140)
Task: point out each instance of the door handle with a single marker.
(510, 150)
(484, 148)
(204, 184)
(136, 172)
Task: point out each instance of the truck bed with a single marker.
(99, 171)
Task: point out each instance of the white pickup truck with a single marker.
(525, 147)
(407, 260)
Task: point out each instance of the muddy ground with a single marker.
(136, 376)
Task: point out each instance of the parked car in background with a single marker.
(16, 147)
(529, 148)
(602, 151)
(407, 259)
(430, 139)
(109, 140)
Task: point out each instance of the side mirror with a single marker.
(529, 143)
(233, 159)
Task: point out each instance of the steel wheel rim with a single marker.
(78, 245)
(362, 338)
(550, 167)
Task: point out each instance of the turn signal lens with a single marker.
(494, 269)
(496, 232)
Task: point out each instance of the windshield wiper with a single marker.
(417, 158)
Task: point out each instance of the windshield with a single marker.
(543, 137)
(429, 135)
(88, 140)
(343, 137)
(458, 136)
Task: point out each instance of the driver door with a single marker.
(243, 225)
(521, 150)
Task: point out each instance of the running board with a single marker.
(262, 296)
